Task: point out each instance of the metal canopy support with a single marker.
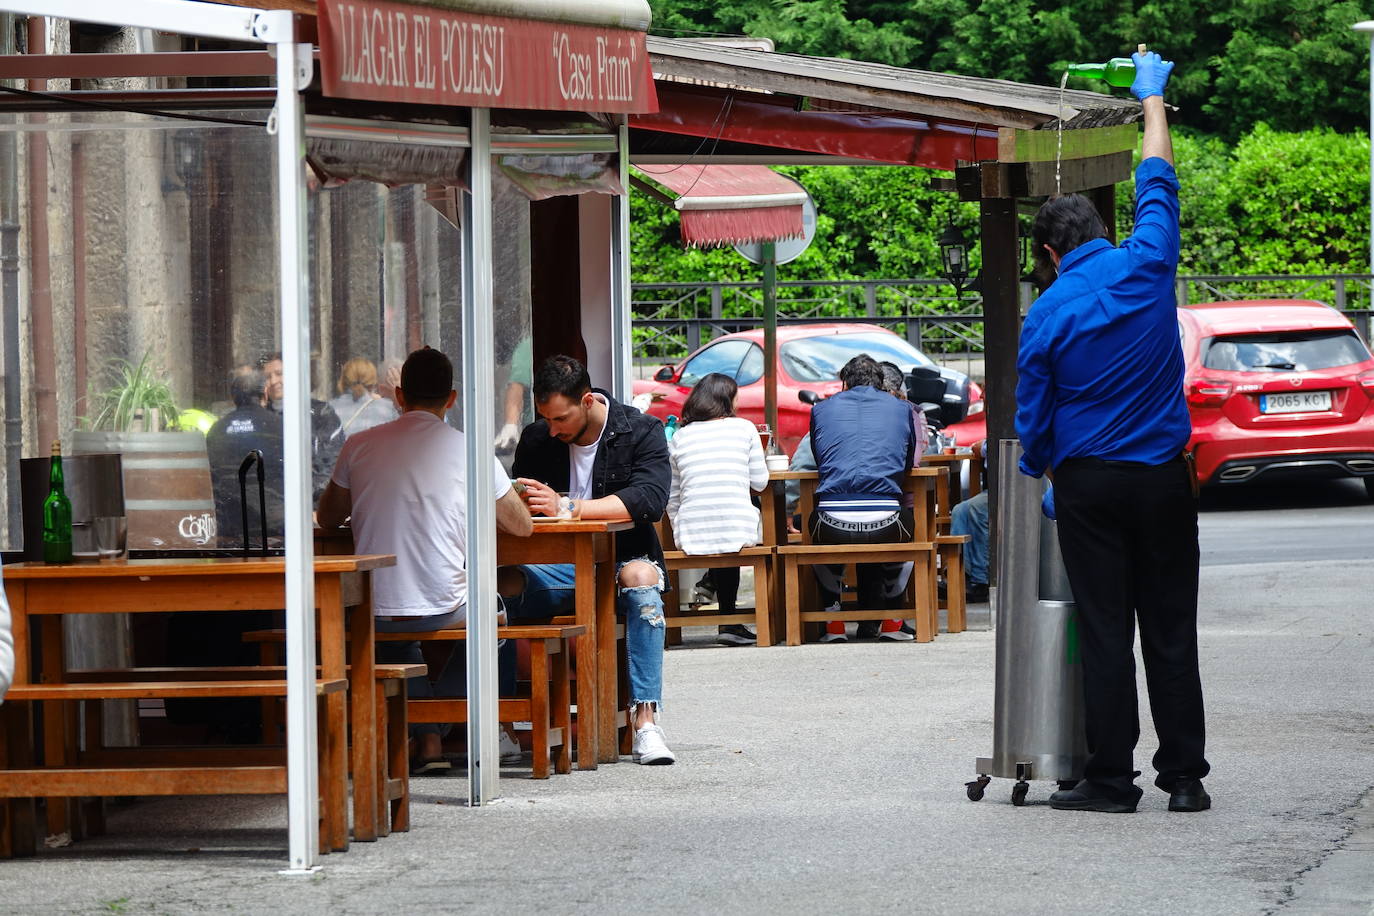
(302, 766)
(770, 337)
(478, 393)
(622, 357)
(1368, 27)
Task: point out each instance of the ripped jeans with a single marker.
(549, 592)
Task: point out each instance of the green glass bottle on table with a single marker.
(1119, 71)
(57, 514)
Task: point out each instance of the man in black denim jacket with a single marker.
(612, 462)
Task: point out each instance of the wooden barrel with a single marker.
(168, 497)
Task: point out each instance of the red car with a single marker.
(1277, 388)
(809, 358)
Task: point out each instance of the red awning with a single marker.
(728, 204)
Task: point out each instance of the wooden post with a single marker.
(1001, 333)
(1104, 200)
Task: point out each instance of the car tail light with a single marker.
(976, 407)
(1366, 380)
(1208, 392)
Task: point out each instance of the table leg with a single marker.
(584, 595)
(363, 727)
(55, 714)
(608, 669)
(334, 789)
(18, 817)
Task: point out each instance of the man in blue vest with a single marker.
(1100, 408)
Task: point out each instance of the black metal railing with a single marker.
(673, 319)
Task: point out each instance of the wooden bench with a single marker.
(393, 766)
(547, 706)
(141, 771)
(760, 558)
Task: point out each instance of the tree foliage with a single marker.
(1272, 97)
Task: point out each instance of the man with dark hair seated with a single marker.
(613, 462)
(865, 442)
(404, 484)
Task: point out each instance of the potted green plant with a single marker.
(138, 400)
(167, 492)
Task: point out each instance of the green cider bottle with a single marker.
(1119, 71)
(57, 514)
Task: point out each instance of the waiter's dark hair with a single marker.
(561, 375)
(426, 378)
(862, 370)
(1064, 223)
(712, 398)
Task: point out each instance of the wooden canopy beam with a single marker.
(985, 180)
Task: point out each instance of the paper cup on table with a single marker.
(777, 462)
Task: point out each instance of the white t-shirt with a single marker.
(407, 480)
(581, 458)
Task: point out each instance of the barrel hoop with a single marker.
(156, 464)
(168, 505)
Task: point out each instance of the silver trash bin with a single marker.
(1038, 728)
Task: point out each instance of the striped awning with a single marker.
(728, 204)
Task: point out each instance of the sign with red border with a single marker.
(394, 52)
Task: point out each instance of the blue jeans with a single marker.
(971, 517)
(549, 591)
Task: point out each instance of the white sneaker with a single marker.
(650, 748)
(511, 752)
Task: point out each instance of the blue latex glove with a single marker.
(1047, 503)
(1151, 74)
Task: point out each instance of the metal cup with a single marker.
(111, 535)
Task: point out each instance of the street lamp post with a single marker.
(1368, 27)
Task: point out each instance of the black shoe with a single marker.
(735, 634)
(941, 590)
(1188, 795)
(976, 592)
(1087, 797)
(868, 629)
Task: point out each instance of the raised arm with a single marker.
(1151, 76)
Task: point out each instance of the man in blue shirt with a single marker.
(1100, 408)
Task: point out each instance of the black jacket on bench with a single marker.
(631, 462)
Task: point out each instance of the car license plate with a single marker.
(1297, 402)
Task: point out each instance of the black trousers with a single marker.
(1128, 533)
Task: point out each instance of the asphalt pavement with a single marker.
(830, 778)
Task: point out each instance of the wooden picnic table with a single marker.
(39, 594)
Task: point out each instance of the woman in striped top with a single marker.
(717, 460)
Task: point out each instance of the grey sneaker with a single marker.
(735, 634)
(650, 749)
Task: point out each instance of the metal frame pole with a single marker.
(622, 321)
(770, 336)
(478, 393)
(303, 796)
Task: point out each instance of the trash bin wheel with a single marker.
(975, 788)
(1018, 793)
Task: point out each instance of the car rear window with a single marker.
(818, 359)
(1291, 351)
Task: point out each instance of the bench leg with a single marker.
(539, 705)
(397, 735)
(382, 755)
(763, 621)
(792, 589)
(957, 616)
(923, 582)
(562, 706)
